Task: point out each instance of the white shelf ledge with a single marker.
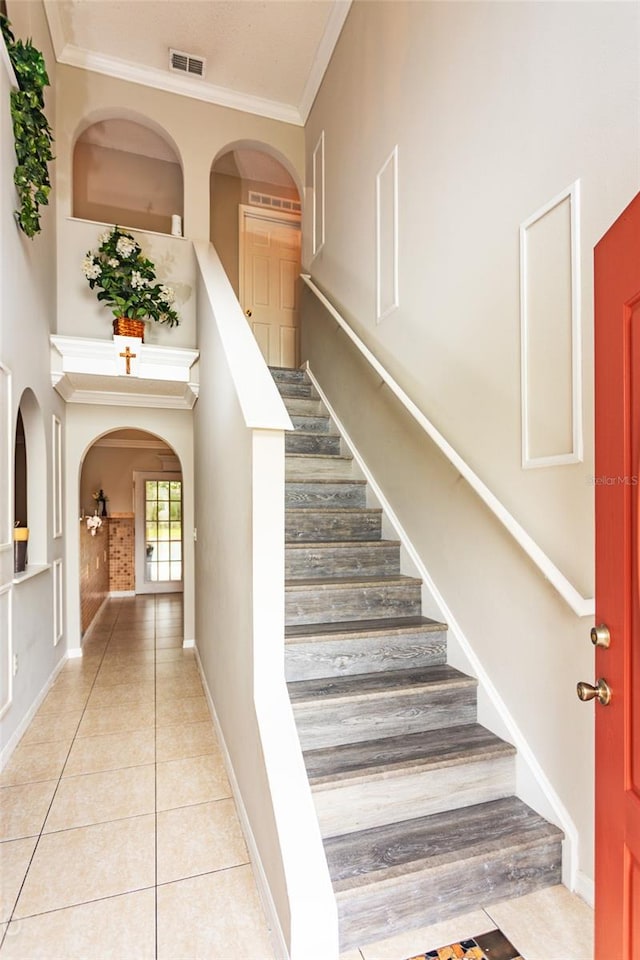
(85, 370)
(33, 570)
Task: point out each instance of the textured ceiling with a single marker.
(268, 49)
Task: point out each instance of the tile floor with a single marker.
(119, 839)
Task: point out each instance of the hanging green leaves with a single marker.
(31, 130)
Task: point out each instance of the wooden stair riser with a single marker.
(308, 660)
(324, 723)
(361, 560)
(308, 466)
(330, 603)
(288, 375)
(297, 389)
(387, 798)
(317, 424)
(322, 443)
(309, 493)
(379, 910)
(322, 524)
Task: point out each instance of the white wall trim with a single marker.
(318, 204)
(56, 476)
(6, 458)
(122, 593)
(323, 55)
(132, 444)
(386, 305)
(277, 937)
(109, 66)
(560, 814)
(585, 888)
(581, 606)
(6, 60)
(576, 454)
(21, 729)
(7, 654)
(58, 602)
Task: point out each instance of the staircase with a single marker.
(414, 798)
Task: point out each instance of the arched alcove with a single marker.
(30, 476)
(126, 172)
(141, 533)
(252, 173)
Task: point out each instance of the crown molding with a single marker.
(74, 56)
(133, 444)
(323, 55)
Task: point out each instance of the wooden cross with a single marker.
(128, 357)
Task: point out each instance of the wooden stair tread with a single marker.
(317, 480)
(344, 583)
(355, 628)
(403, 754)
(340, 511)
(465, 834)
(389, 682)
(341, 544)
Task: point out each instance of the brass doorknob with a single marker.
(248, 312)
(600, 636)
(601, 691)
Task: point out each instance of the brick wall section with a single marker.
(94, 571)
(121, 553)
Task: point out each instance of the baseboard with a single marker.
(122, 593)
(87, 633)
(189, 644)
(585, 888)
(21, 729)
(534, 787)
(275, 930)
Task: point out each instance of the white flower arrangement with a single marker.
(93, 523)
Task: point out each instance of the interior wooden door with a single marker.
(617, 421)
(269, 271)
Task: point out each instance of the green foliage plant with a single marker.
(127, 280)
(31, 130)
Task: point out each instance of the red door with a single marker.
(617, 432)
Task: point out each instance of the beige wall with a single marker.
(495, 110)
(113, 186)
(27, 316)
(199, 132)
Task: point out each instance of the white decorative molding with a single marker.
(387, 237)
(6, 459)
(109, 66)
(318, 209)
(323, 55)
(92, 371)
(132, 444)
(536, 789)
(571, 196)
(56, 470)
(58, 603)
(585, 888)
(6, 649)
(581, 606)
(21, 729)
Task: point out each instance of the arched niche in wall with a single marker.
(30, 476)
(252, 173)
(127, 173)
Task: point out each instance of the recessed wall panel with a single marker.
(318, 196)
(58, 619)
(56, 467)
(551, 394)
(6, 459)
(387, 237)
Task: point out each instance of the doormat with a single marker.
(488, 946)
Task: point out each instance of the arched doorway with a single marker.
(256, 230)
(132, 481)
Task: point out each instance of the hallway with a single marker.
(118, 834)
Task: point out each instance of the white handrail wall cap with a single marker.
(259, 399)
(581, 606)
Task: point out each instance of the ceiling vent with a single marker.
(189, 63)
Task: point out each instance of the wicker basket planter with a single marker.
(126, 327)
